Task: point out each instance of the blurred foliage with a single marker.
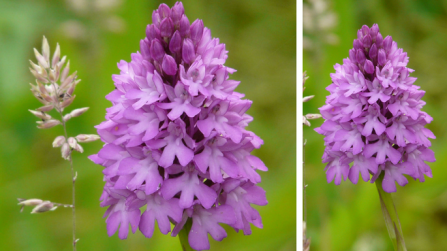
(95, 35)
(348, 217)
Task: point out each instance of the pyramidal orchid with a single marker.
(374, 126)
(373, 118)
(175, 138)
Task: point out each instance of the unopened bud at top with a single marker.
(166, 27)
(169, 65)
(367, 41)
(152, 32)
(176, 42)
(381, 58)
(184, 26)
(360, 57)
(164, 11)
(379, 40)
(188, 53)
(196, 30)
(387, 42)
(369, 67)
(157, 51)
(373, 31)
(177, 12)
(352, 55)
(373, 52)
(357, 44)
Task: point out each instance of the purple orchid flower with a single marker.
(176, 140)
(373, 118)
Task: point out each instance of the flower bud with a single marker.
(373, 31)
(164, 11)
(184, 26)
(169, 65)
(176, 12)
(166, 27)
(367, 41)
(44, 207)
(157, 51)
(352, 56)
(360, 57)
(359, 34)
(369, 67)
(381, 58)
(357, 44)
(188, 53)
(196, 30)
(176, 42)
(387, 42)
(379, 40)
(78, 112)
(365, 30)
(373, 52)
(58, 141)
(144, 48)
(65, 150)
(40, 115)
(152, 32)
(48, 123)
(156, 18)
(84, 138)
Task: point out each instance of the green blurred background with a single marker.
(95, 35)
(348, 217)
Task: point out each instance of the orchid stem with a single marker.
(390, 215)
(183, 236)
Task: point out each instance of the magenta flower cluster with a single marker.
(175, 138)
(373, 118)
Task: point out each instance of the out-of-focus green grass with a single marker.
(348, 217)
(260, 38)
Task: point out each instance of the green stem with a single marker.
(183, 235)
(390, 215)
